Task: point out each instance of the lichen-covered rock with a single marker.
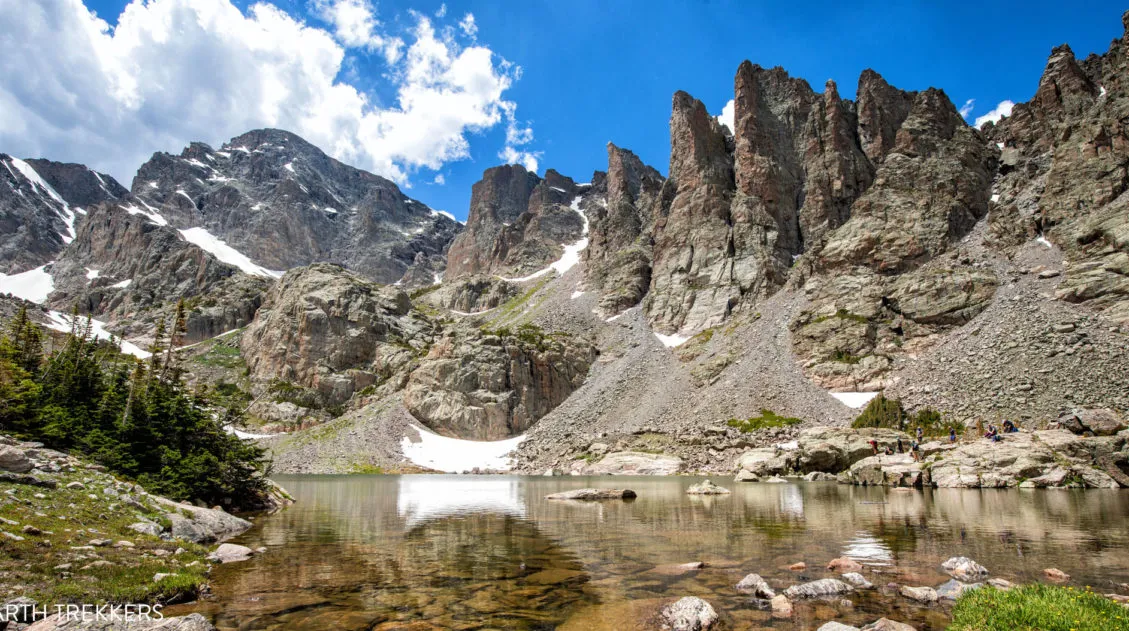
(755, 585)
(689, 614)
(473, 294)
(14, 459)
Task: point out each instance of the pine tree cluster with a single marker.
(134, 416)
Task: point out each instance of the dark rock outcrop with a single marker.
(618, 257)
(124, 267)
(518, 223)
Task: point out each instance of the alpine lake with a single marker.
(445, 552)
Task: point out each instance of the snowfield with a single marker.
(34, 285)
(854, 399)
(455, 455)
(62, 322)
(571, 254)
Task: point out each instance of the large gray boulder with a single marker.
(14, 459)
(818, 589)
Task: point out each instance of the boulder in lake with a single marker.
(926, 595)
(844, 564)
(818, 589)
(885, 624)
(588, 495)
(707, 488)
(857, 580)
(836, 626)
(757, 586)
(964, 569)
(230, 553)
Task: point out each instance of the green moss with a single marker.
(364, 468)
(844, 357)
(1037, 607)
(766, 420)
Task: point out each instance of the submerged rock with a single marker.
(857, 580)
(844, 564)
(925, 595)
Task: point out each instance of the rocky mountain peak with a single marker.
(284, 203)
(882, 109)
(40, 203)
(698, 151)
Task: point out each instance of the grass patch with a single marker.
(364, 468)
(220, 355)
(1037, 607)
(54, 563)
(766, 420)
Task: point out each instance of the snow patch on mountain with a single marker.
(64, 209)
(63, 322)
(455, 455)
(34, 285)
(201, 238)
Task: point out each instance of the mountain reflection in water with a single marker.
(432, 553)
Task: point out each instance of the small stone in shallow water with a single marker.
(844, 564)
(920, 594)
(964, 568)
(818, 589)
(755, 585)
(781, 607)
(707, 488)
(857, 580)
(1056, 575)
(798, 567)
(836, 626)
(593, 494)
(885, 624)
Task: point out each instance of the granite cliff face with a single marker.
(333, 334)
(1063, 173)
(40, 202)
(284, 203)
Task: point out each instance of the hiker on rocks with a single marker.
(901, 449)
(873, 446)
(993, 434)
(920, 434)
(952, 435)
(915, 451)
(1009, 427)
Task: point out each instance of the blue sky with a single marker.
(592, 73)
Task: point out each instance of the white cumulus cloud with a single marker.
(172, 71)
(468, 26)
(726, 116)
(966, 109)
(1000, 111)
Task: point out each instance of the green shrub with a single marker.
(890, 414)
(1037, 607)
(766, 420)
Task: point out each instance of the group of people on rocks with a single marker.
(993, 434)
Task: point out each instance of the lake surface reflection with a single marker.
(433, 553)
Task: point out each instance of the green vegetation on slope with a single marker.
(135, 417)
(890, 414)
(1037, 607)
